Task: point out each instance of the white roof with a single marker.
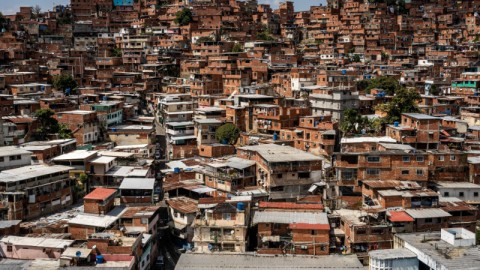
(280, 153)
(103, 160)
(427, 213)
(137, 183)
(81, 112)
(120, 171)
(13, 150)
(290, 217)
(93, 221)
(40, 242)
(115, 154)
(28, 172)
(133, 146)
(384, 139)
(76, 155)
(457, 185)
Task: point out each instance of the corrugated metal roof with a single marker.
(137, 183)
(427, 213)
(195, 261)
(283, 217)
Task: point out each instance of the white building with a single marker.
(13, 157)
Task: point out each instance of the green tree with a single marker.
(404, 101)
(237, 48)
(183, 17)
(227, 133)
(64, 132)
(265, 35)
(201, 40)
(116, 52)
(2, 18)
(353, 122)
(356, 58)
(389, 84)
(46, 123)
(63, 82)
(36, 11)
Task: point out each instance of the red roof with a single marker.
(291, 205)
(306, 226)
(400, 216)
(100, 194)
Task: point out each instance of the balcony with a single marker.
(180, 131)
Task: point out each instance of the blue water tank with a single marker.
(475, 94)
(99, 259)
(224, 141)
(396, 124)
(275, 136)
(344, 72)
(176, 170)
(104, 98)
(240, 206)
(114, 130)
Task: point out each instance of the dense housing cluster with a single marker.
(228, 134)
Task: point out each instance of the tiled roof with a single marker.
(400, 216)
(100, 194)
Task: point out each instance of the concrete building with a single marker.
(13, 157)
(333, 101)
(29, 248)
(283, 171)
(221, 227)
(83, 124)
(449, 249)
(392, 259)
(31, 191)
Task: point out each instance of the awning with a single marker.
(183, 138)
(273, 238)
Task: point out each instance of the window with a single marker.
(475, 194)
(406, 159)
(304, 175)
(419, 172)
(420, 159)
(405, 172)
(314, 232)
(461, 194)
(2, 159)
(373, 171)
(453, 157)
(446, 194)
(441, 158)
(9, 248)
(227, 216)
(373, 159)
(428, 220)
(279, 175)
(144, 220)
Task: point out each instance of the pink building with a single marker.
(31, 248)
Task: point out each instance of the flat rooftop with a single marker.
(446, 256)
(76, 155)
(196, 261)
(40, 242)
(280, 153)
(28, 172)
(6, 151)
